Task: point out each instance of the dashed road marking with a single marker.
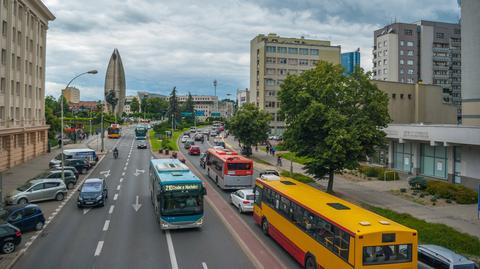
(171, 251)
(123, 173)
(125, 168)
(204, 265)
(118, 187)
(99, 248)
(105, 226)
(115, 197)
(110, 211)
(121, 179)
(126, 164)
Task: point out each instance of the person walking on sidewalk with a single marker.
(273, 150)
(267, 149)
(279, 160)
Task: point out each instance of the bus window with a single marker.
(238, 166)
(373, 255)
(258, 196)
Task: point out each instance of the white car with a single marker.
(243, 200)
(184, 138)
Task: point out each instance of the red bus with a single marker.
(228, 169)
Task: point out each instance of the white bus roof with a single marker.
(77, 150)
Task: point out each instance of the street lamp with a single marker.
(216, 99)
(92, 72)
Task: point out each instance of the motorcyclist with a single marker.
(115, 152)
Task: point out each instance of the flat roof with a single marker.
(173, 171)
(435, 133)
(354, 219)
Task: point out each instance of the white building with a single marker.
(243, 97)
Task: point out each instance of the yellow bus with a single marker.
(322, 231)
(114, 131)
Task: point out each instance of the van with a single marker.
(439, 257)
(90, 154)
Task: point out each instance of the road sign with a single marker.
(199, 113)
(215, 114)
(186, 114)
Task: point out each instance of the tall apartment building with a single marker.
(23, 131)
(424, 51)
(350, 60)
(470, 62)
(72, 95)
(243, 97)
(273, 57)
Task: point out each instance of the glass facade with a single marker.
(402, 156)
(433, 161)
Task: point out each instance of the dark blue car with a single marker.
(24, 217)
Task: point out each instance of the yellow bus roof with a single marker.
(355, 220)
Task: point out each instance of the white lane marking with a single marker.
(123, 173)
(126, 164)
(118, 187)
(110, 211)
(125, 168)
(85, 211)
(121, 179)
(171, 251)
(204, 265)
(105, 226)
(115, 197)
(99, 248)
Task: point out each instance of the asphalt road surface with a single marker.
(117, 236)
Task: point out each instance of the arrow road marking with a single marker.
(136, 206)
(138, 172)
(105, 173)
(85, 211)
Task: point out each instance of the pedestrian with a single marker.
(279, 160)
(273, 151)
(256, 147)
(267, 149)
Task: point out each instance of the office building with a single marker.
(115, 81)
(273, 57)
(470, 10)
(243, 97)
(85, 106)
(424, 51)
(128, 101)
(23, 131)
(203, 104)
(350, 61)
(72, 95)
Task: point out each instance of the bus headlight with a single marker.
(199, 221)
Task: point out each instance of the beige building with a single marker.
(273, 57)
(203, 104)
(23, 132)
(417, 103)
(72, 95)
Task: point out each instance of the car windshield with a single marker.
(182, 203)
(250, 197)
(25, 186)
(92, 187)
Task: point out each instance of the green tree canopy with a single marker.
(250, 125)
(333, 120)
(135, 105)
(189, 106)
(173, 108)
(157, 106)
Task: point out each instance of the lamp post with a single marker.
(61, 115)
(216, 99)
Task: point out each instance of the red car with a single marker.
(194, 150)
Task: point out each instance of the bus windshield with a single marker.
(387, 254)
(184, 202)
(239, 166)
(113, 130)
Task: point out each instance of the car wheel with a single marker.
(39, 226)
(103, 203)
(310, 263)
(22, 201)
(79, 206)
(240, 210)
(8, 247)
(265, 226)
(70, 185)
(59, 197)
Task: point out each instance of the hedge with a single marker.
(378, 172)
(445, 190)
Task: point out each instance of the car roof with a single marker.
(194, 147)
(43, 180)
(93, 180)
(59, 171)
(78, 150)
(13, 208)
(444, 253)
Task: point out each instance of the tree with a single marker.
(144, 105)
(135, 105)
(333, 120)
(173, 108)
(250, 125)
(189, 106)
(111, 99)
(157, 106)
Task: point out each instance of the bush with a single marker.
(403, 190)
(378, 172)
(297, 176)
(459, 193)
(391, 175)
(417, 183)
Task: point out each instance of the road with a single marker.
(117, 236)
(279, 252)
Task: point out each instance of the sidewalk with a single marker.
(376, 193)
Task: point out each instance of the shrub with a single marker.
(433, 199)
(459, 193)
(422, 195)
(417, 183)
(362, 169)
(297, 176)
(391, 175)
(403, 190)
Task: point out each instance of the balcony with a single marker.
(454, 44)
(440, 67)
(441, 58)
(456, 67)
(440, 76)
(437, 49)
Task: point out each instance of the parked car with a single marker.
(269, 172)
(70, 168)
(142, 145)
(81, 165)
(194, 150)
(25, 217)
(189, 143)
(184, 138)
(243, 200)
(203, 160)
(93, 192)
(10, 237)
(69, 177)
(38, 190)
(440, 257)
(68, 154)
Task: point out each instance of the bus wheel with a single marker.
(310, 262)
(265, 226)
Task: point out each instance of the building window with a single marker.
(402, 80)
(409, 44)
(314, 52)
(282, 72)
(3, 85)
(401, 43)
(379, 72)
(439, 35)
(269, 82)
(401, 61)
(401, 52)
(401, 71)
(379, 45)
(433, 161)
(410, 71)
(303, 51)
(271, 49)
(385, 43)
(409, 80)
(402, 156)
(270, 60)
(410, 53)
(385, 52)
(282, 60)
(4, 28)
(385, 62)
(292, 51)
(410, 62)
(270, 71)
(303, 62)
(282, 50)
(408, 32)
(457, 31)
(293, 61)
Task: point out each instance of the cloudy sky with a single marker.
(189, 43)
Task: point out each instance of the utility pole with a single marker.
(216, 99)
(102, 134)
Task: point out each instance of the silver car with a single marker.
(38, 190)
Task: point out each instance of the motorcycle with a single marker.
(115, 154)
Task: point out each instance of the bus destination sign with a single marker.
(184, 187)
